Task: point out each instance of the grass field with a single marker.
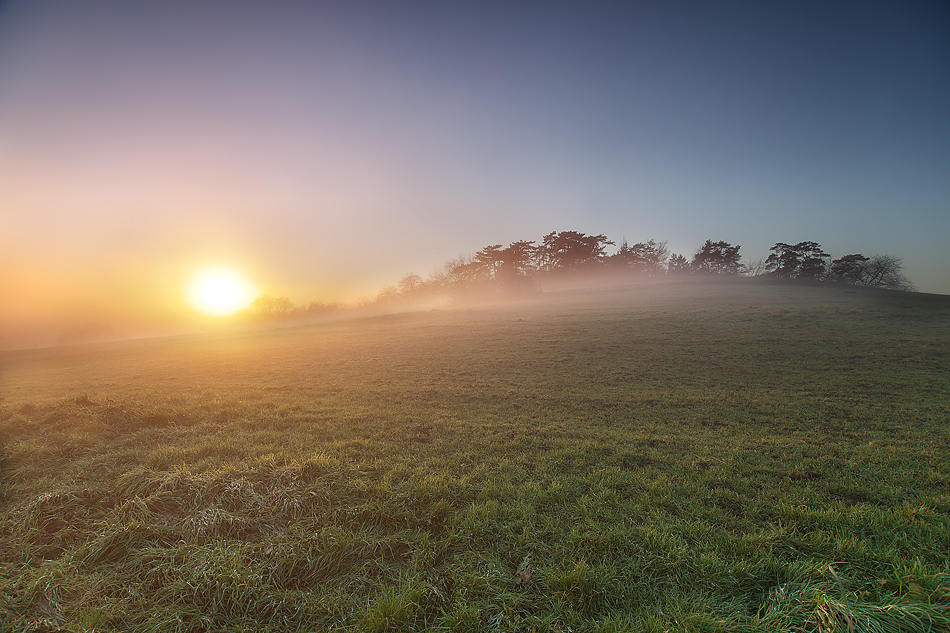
(718, 457)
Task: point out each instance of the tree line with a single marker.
(521, 265)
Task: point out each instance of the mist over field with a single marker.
(402, 316)
(324, 151)
(722, 454)
(221, 297)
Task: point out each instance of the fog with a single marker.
(327, 150)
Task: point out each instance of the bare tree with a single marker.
(410, 284)
(884, 271)
(754, 267)
(444, 277)
(879, 271)
(268, 306)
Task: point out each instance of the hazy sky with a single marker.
(328, 148)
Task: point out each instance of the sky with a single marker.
(325, 149)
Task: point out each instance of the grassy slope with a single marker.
(711, 457)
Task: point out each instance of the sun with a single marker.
(219, 291)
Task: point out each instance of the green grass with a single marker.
(718, 457)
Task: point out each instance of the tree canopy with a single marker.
(717, 258)
(804, 260)
(571, 251)
(646, 258)
(519, 266)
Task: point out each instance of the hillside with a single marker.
(720, 456)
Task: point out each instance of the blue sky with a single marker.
(329, 148)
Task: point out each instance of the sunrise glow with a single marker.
(329, 151)
(219, 292)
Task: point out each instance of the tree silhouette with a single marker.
(268, 306)
(517, 259)
(517, 265)
(717, 258)
(848, 269)
(514, 267)
(645, 258)
(884, 271)
(879, 271)
(804, 260)
(678, 265)
(466, 273)
(447, 277)
(410, 284)
(571, 251)
(754, 267)
(488, 260)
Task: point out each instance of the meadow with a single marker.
(670, 457)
